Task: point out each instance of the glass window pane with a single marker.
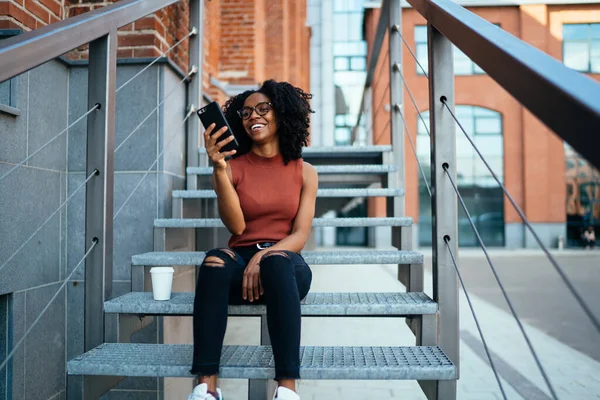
(464, 169)
(420, 34)
(350, 48)
(353, 28)
(462, 64)
(421, 53)
(5, 92)
(358, 64)
(484, 112)
(595, 56)
(487, 126)
(340, 27)
(342, 136)
(576, 55)
(575, 31)
(467, 123)
(341, 64)
(339, 120)
(595, 31)
(421, 129)
(595, 62)
(464, 148)
(423, 145)
(339, 5)
(489, 145)
(466, 111)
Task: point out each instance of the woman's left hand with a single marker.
(252, 288)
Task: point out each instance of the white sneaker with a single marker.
(282, 393)
(201, 393)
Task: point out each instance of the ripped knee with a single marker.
(216, 261)
(213, 261)
(276, 253)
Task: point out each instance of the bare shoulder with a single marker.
(308, 171)
(310, 177)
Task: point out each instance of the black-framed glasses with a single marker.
(261, 109)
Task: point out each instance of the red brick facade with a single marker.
(244, 43)
(534, 158)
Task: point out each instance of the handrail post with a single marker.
(194, 92)
(100, 190)
(396, 204)
(443, 201)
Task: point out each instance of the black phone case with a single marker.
(212, 113)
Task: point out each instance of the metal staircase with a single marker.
(424, 361)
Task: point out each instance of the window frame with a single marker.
(588, 42)
(11, 107)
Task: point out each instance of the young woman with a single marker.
(266, 197)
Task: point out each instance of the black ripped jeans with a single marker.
(285, 279)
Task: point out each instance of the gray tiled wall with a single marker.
(49, 98)
(29, 197)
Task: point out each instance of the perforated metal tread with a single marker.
(315, 304)
(321, 169)
(317, 222)
(321, 193)
(256, 362)
(311, 257)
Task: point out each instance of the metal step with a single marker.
(256, 362)
(315, 304)
(366, 192)
(317, 222)
(311, 257)
(321, 169)
(337, 151)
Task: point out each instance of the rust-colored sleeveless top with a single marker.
(269, 193)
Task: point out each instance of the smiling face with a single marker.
(260, 128)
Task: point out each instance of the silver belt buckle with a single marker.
(260, 247)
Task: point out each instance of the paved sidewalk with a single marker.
(574, 375)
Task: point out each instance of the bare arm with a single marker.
(228, 201)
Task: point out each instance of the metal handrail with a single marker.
(23, 52)
(565, 100)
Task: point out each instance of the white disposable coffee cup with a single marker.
(162, 281)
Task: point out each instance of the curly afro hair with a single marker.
(292, 110)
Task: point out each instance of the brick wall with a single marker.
(30, 14)
(244, 43)
(147, 37)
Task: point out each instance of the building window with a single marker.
(8, 88)
(462, 63)
(350, 66)
(581, 47)
(583, 197)
(483, 197)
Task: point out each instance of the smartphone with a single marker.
(212, 113)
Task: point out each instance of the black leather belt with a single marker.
(264, 245)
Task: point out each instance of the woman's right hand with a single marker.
(213, 149)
